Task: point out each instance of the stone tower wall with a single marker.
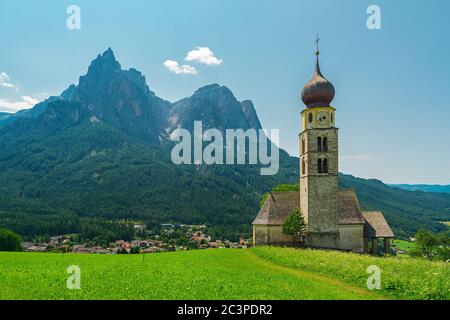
(319, 191)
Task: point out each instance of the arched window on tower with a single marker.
(319, 144)
(310, 117)
(319, 165)
(303, 167)
(303, 146)
(325, 144)
(325, 166)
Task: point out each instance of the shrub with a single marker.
(9, 241)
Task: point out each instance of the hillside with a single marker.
(109, 174)
(260, 273)
(423, 187)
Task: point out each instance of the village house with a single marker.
(30, 247)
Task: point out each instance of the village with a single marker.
(170, 238)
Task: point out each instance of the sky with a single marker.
(392, 84)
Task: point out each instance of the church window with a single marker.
(325, 166)
(310, 117)
(319, 166)
(332, 117)
(325, 144)
(319, 144)
(303, 146)
(303, 167)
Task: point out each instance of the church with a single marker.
(334, 218)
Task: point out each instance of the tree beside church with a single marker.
(295, 227)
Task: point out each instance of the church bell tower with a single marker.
(319, 162)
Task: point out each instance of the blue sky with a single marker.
(392, 85)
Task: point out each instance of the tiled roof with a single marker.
(376, 226)
(277, 208)
(279, 204)
(350, 211)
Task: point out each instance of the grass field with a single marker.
(405, 246)
(400, 278)
(259, 273)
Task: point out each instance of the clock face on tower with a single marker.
(323, 118)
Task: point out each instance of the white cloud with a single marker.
(4, 76)
(30, 100)
(175, 67)
(203, 55)
(5, 81)
(14, 106)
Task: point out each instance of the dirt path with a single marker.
(313, 276)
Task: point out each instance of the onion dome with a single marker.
(318, 92)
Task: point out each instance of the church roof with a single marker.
(277, 208)
(279, 204)
(350, 211)
(318, 92)
(376, 226)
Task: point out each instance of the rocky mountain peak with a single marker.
(207, 88)
(250, 114)
(217, 107)
(122, 98)
(104, 63)
(138, 79)
(215, 93)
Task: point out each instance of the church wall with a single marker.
(270, 235)
(319, 191)
(323, 204)
(352, 237)
(330, 133)
(304, 193)
(323, 240)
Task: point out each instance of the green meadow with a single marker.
(222, 274)
(405, 246)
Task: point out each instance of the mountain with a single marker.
(29, 113)
(122, 98)
(406, 211)
(423, 187)
(216, 107)
(101, 153)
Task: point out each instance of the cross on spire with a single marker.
(317, 44)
